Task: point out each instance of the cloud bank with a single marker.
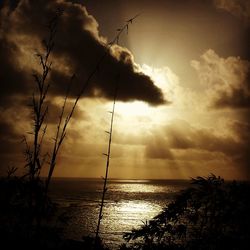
(227, 80)
(180, 141)
(78, 48)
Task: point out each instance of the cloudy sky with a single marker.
(184, 85)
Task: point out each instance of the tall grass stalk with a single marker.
(107, 164)
(105, 178)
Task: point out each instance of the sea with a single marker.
(128, 204)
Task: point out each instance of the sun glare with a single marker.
(141, 111)
(135, 108)
(138, 116)
(138, 108)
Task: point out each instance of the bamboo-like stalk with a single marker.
(34, 160)
(107, 165)
(115, 40)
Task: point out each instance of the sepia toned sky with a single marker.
(184, 86)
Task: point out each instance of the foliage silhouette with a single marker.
(17, 232)
(28, 216)
(211, 214)
(37, 198)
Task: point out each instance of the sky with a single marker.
(183, 101)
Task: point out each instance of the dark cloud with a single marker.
(78, 48)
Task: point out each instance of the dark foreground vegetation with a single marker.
(211, 214)
(30, 220)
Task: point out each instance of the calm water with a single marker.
(129, 203)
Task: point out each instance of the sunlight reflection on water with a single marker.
(133, 207)
(123, 216)
(140, 188)
(128, 204)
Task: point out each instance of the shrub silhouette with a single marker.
(16, 228)
(28, 217)
(211, 214)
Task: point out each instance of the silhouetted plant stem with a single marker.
(114, 41)
(33, 153)
(60, 136)
(58, 140)
(39, 108)
(107, 165)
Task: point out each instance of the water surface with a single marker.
(128, 204)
